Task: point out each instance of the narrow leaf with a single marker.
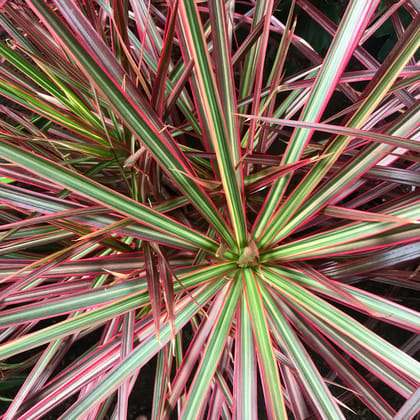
(269, 371)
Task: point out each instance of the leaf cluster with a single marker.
(199, 186)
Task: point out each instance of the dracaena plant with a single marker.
(192, 187)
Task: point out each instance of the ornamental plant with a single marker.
(222, 193)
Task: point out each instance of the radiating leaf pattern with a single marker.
(201, 185)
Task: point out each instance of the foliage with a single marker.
(169, 197)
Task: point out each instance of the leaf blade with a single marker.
(268, 365)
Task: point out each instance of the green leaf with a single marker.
(381, 308)
(48, 205)
(371, 342)
(373, 94)
(337, 129)
(211, 115)
(104, 196)
(5, 180)
(353, 23)
(100, 315)
(269, 371)
(212, 353)
(142, 121)
(350, 172)
(222, 39)
(330, 241)
(141, 354)
(245, 391)
(307, 373)
(61, 305)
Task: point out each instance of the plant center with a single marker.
(250, 256)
